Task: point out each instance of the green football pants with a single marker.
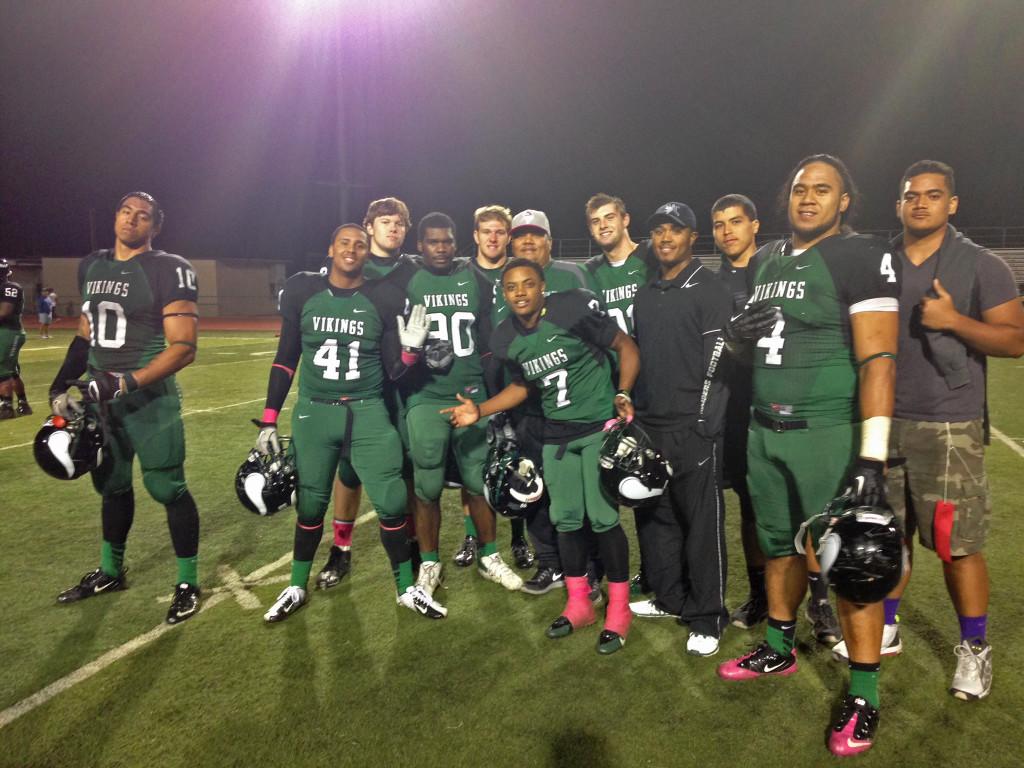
(574, 485)
(430, 435)
(11, 342)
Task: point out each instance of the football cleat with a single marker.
(609, 642)
(24, 409)
(493, 568)
(701, 645)
(522, 554)
(267, 483)
(973, 677)
(7, 411)
(560, 627)
(69, 448)
(466, 555)
(762, 661)
(429, 578)
(185, 604)
(861, 551)
(418, 601)
(93, 583)
(288, 602)
(854, 730)
(891, 644)
(638, 585)
(824, 624)
(513, 484)
(649, 609)
(632, 472)
(751, 613)
(543, 581)
(338, 564)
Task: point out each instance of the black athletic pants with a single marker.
(682, 537)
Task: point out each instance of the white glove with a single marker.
(413, 332)
(66, 407)
(267, 441)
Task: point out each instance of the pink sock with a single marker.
(343, 533)
(578, 608)
(617, 616)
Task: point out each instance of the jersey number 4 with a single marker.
(327, 358)
(773, 343)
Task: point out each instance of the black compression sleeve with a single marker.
(75, 362)
(289, 349)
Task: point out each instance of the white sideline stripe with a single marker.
(260, 354)
(81, 674)
(1009, 442)
(39, 349)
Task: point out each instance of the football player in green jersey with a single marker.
(138, 327)
(491, 225)
(349, 335)
(387, 222)
(823, 398)
(622, 266)
(556, 345)
(458, 302)
(12, 338)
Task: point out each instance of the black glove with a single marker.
(105, 386)
(439, 354)
(867, 483)
(753, 322)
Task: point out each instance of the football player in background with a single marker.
(138, 327)
(823, 396)
(556, 345)
(387, 222)
(458, 302)
(12, 338)
(349, 334)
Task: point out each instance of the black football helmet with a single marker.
(513, 485)
(861, 551)
(632, 472)
(266, 484)
(67, 449)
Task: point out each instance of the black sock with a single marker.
(615, 553)
(118, 513)
(572, 550)
(307, 539)
(183, 521)
(818, 586)
(518, 529)
(755, 575)
(395, 538)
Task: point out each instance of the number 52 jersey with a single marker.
(805, 368)
(125, 300)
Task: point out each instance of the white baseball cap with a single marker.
(530, 219)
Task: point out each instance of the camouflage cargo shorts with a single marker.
(932, 462)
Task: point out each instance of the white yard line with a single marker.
(217, 596)
(1015, 447)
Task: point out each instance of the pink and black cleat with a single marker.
(854, 730)
(763, 660)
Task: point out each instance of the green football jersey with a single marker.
(458, 305)
(805, 368)
(125, 300)
(12, 293)
(377, 267)
(558, 276)
(342, 333)
(564, 356)
(617, 284)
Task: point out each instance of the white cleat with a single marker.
(701, 645)
(973, 677)
(288, 602)
(891, 644)
(429, 578)
(648, 609)
(418, 601)
(493, 568)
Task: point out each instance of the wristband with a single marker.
(130, 384)
(624, 393)
(409, 358)
(874, 438)
(269, 416)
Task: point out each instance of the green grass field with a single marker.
(354, 680)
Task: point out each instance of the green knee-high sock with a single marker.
(300, 572)
(487, 549)
(403, 576)
(187, 570)
(467, 520)
(111, 558)
(781, 635)
(864, 682)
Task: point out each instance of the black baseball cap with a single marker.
(676, 213)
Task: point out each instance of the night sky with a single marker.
(242, 117)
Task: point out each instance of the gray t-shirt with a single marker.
(921, 391)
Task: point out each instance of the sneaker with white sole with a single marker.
(824, 624)
(493, 568)
(648, 609)
(973, 677)
(418, 601)
(701, 645)
(288, 602)
(891, 644)
(543, 581)
(429, 578)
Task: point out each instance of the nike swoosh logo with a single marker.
(702, 463)
(552, 339)
(125, 273)
(359, 311)
(854, 743)
(775, 667)
(304, 417)
(465, 282)
(787, 627)
(802, 266)
(634, 272)
(97, 589)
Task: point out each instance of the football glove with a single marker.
(106, 385)
(413, 332)
(867, 483)
(267, 441)
(752, 322)
(66, 407)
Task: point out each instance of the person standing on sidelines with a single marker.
(12, 339)
(680, 402)
(958, 305)
(45, 310)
